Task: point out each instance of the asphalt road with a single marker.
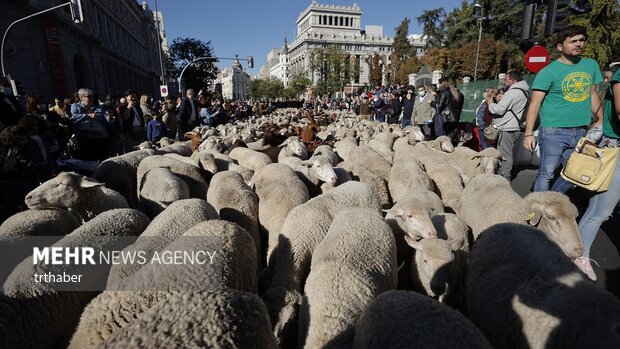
(606, 247)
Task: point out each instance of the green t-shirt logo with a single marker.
(576, 86)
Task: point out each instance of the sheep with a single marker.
(119, 174)
(83, 196)
(342, 176)
(220, 319)
(293, 147)
(488, 199)
(312, 172)
(344, 147)
(181, 148)
(203, 160)
(279, 190)
(250, 159)
(52, 224)
(376, 182)
(327, 151)
(368, 157)
(405, 176)
(233, 199)
(475, 163)
(48, 222)
(234, 267)
(382, 148)
(226, 163)
(441, 143)
(175, 220)
(42, 315)
(522, 292)
(386, 138)
(189, 174)
(453, 229)
(354, 263)
(401, 319)
(411, 216)
(435, 269)
(448, 183)
(304, 227)
(160, 187)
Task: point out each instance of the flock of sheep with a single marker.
(374, 238)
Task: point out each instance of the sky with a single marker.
(253, 28)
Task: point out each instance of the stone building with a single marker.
(273, 58)
(115, 48)
(234, 82)
(281, 69)
(322, 25)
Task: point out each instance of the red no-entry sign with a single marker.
(536, 58)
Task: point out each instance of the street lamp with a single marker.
(479, 7)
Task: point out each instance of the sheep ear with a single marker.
(417, 245)
(534, 217)
(396, 212)
(307, 163)
(89, 183)
(284, 143)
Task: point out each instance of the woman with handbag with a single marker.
(602, 204)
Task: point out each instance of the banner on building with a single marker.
(57, 63)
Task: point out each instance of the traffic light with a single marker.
(559, 10)
(76, 11)
(251, 62)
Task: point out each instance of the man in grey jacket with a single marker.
(509, 113)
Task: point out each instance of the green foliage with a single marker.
(267, 89)
(199, 75)
(603, 24)
(298, 84)
(401, 51)
(334, 68)
(461, 26)
(432, 22)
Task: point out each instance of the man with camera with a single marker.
(508, 114)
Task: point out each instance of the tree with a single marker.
(602, 25)
(409, 66)
(460, 26)
(401, 49)
(298, 84)
(334, 68)
(432, 26)
(376, 74)
(199, 75)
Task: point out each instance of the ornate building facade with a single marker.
(281, 69)
(235, 82)
(114, 49)
(320, 25)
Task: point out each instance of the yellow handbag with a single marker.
(590, 166)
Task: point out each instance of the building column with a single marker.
(364, 70)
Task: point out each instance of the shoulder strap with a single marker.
(527, 95)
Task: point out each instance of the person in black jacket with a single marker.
(188, 111)
(10, 109)
(395, 107)
(408, 102)
(443, 103)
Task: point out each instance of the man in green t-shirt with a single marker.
(565, 95)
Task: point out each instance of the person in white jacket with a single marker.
(510, 109)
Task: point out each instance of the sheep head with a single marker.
(417, 222)
(433, 260)
(556, 216)
(295, 146)
(60, 191)
(322, 169)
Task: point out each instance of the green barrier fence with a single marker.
(473, 95)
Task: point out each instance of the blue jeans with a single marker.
(600, 208)
(556, 145)
(406, 122)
